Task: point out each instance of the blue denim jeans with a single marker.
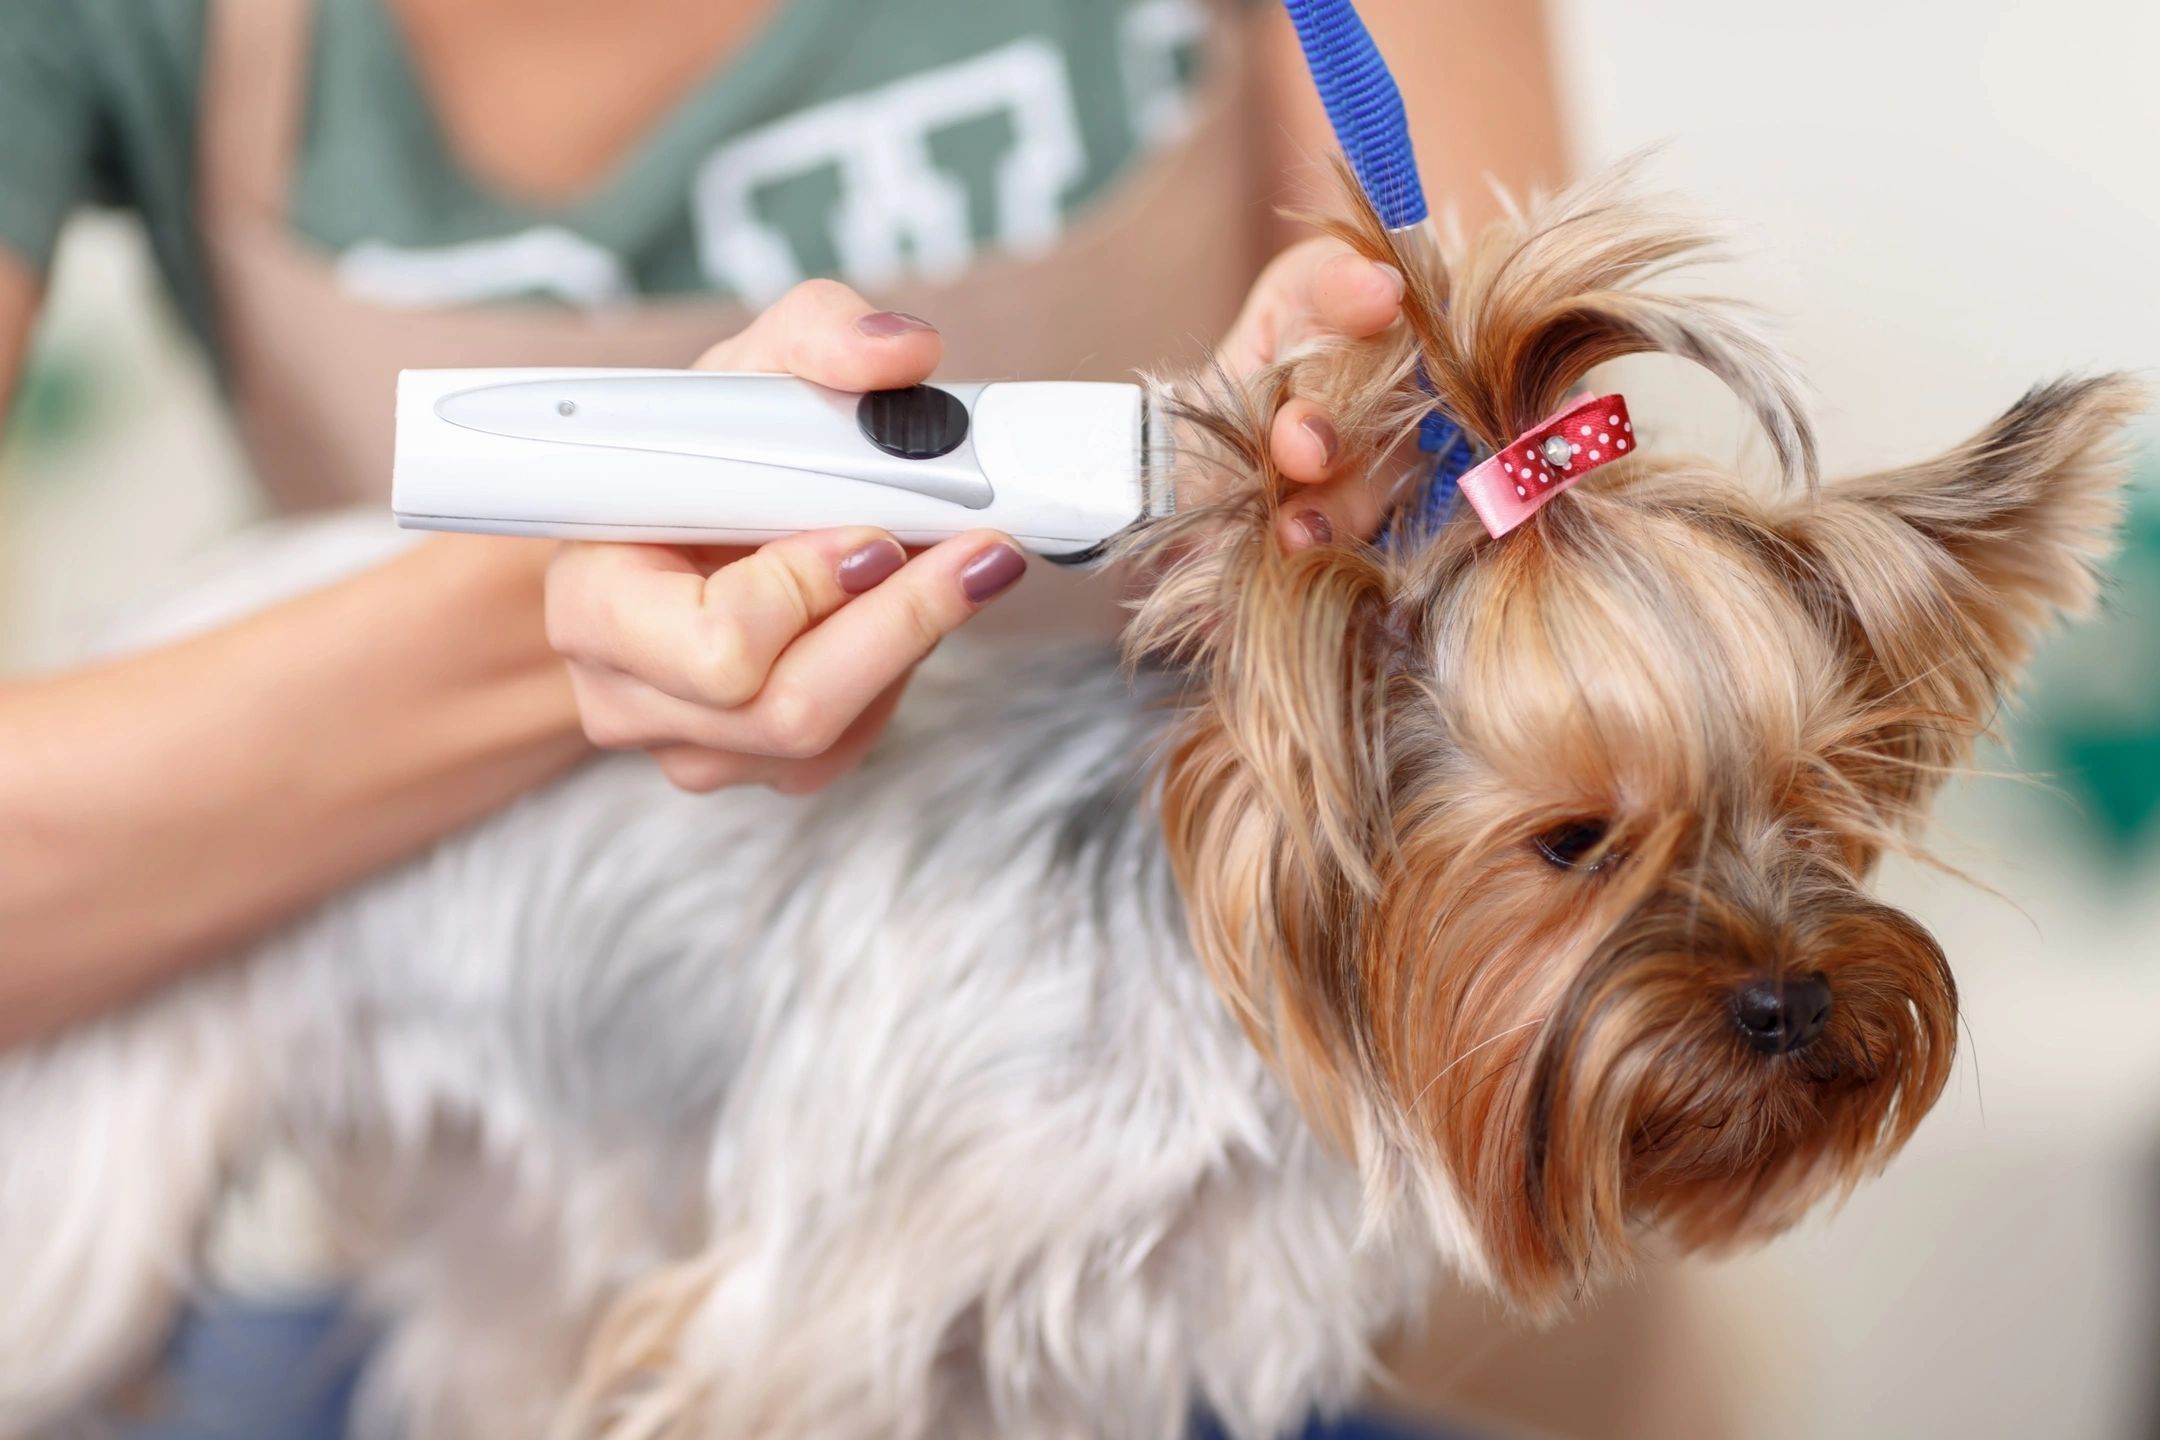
(245, 1371)
(285, 1372)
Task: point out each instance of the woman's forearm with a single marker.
(160, 810)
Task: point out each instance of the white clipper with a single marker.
(695, 457)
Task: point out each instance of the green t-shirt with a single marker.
(863, 139)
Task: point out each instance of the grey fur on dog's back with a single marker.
(912, 1088)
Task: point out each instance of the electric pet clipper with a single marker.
(695, 457)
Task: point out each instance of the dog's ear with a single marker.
(1274, 806)
(1273, 788)
(1940, 577)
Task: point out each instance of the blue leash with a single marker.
(1363, 105)
(1366, 110)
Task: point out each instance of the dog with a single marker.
(1136, 1035)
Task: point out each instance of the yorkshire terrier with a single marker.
(1121, 1041)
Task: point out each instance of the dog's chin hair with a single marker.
(1638, 1112)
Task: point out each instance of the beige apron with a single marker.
(1147, 277)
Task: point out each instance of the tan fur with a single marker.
(1757, 695)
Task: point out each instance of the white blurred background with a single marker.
(1949, 201)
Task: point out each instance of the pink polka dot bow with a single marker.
(1544, 460)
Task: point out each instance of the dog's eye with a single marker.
(1572, 846)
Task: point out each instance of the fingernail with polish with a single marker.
(870, 565)
(991, 572)
(1319, 530)
(890, 324)
(1322, 429)
(1394, 279)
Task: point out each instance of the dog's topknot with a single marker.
(1504, 327)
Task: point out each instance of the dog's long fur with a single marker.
(1114, 1042)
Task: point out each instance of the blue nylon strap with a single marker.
(1453, 454)
(1363, 105)
(1366, 110)
(1420, 517)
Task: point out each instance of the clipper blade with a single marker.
(1158, 454)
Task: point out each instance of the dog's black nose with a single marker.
(1784, 1014)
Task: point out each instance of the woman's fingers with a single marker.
(757, 607)
(803, 777)
(1344, 500)
(824, 332)
(1319, 286)
(1304, 441)
(701, 771)
(832, 674)
(1351, 296)
(1308, 449)
(1350, 509)
(707, 639)
(610, 604)
(1316, 289)
(826, 676)
(622, 712)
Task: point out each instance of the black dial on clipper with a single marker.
(917, 423)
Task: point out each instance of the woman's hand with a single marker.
(779, 665)
(737, 666)
(1317, 288)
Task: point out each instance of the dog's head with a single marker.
(1538, 865)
